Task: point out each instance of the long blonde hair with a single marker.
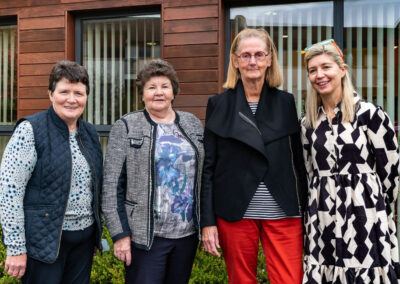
(273, 75)
(313, 100)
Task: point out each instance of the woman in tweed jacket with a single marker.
(152, 178)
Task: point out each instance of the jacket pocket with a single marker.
(38, 221)
(200, 138)
(135, 139)
(130, 207)
(197, 137)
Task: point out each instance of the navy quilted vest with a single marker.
(48, 189)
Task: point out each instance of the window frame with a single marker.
(7, 130)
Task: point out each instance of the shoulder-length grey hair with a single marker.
(313, 100)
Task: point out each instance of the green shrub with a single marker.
(208, 269)
(107, 269)
(4, 278)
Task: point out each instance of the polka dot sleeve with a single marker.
(17, 165)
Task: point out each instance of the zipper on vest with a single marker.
(95, 188)
(69, 191)
(295, 175)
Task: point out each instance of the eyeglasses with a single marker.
(325, 42)
(258, 56)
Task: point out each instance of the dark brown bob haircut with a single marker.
(155, 68)
(71, 71)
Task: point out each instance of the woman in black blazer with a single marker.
(254, 183)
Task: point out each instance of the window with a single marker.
(8, 79)
(371, 36)
(292, 28)
(8, 74)
(113, 50)
(370, 31)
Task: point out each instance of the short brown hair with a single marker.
(273, 75)
(155, 68)
(71, 71)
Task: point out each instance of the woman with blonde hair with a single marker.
(352, 160)
(254, 181)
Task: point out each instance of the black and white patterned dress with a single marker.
(349, 224)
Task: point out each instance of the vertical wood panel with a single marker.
(193, 43)
(69, 40)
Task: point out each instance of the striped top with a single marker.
(263, 205)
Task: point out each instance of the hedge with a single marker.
(107, 269)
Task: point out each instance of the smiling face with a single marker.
(254, 69)
(325, 75)
(69, 100)
(158, 94)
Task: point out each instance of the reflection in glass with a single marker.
(8, 74)
(292, 28)
(3, 143)
(103, 143)
(371, 50)
(114, 50)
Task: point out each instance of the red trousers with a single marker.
(282, 242)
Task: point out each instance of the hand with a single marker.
(16, 265)
(122, 250)
(209, 237)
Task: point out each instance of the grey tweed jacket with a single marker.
(129, 175)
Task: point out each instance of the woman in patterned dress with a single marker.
(352, 160)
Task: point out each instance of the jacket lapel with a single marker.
(275, 116)
(235, 120)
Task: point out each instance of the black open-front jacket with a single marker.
(241, 150)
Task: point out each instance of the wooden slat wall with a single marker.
(191, 42)
(41, 44)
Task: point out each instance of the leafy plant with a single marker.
(107, 269)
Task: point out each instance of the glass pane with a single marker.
(114, 50)
(8, 75)
(3, 143)
(103, 143)
(371, 51)
(292, 28)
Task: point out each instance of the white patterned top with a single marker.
(17, 165)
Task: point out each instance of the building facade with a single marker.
(114, 38)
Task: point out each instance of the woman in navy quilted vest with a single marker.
(351, 154)
(50, 182)
(152, 178)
